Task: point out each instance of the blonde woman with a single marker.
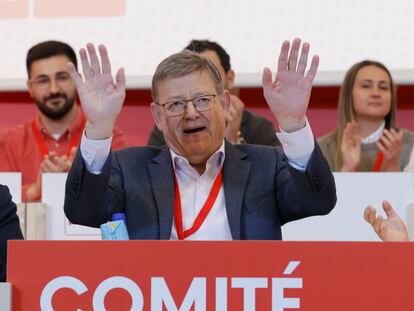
(366, 138)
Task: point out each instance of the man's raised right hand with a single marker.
(101, 98)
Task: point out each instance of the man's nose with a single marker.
(191, 111)
(53, 86)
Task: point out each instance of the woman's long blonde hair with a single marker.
(346, 111)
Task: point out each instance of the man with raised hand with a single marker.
(199, 186)
(47, 142)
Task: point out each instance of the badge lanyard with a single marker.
(378, 162)
(202, 215)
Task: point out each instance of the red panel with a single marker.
(136, 119)
(322, 97)
(325, 97)
(319, 275)
(14, 9)
(77, 8)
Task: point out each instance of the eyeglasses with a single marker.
(43, 82)
(179, 107)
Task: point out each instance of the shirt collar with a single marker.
(375, 136)
(215, 161)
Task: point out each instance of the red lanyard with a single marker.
(202, 215)
(378, 162)
(73, 142)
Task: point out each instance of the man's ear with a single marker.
(230, 75)
(29, 88)
(225, 100)
(156, 114)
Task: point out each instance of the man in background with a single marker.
(48, 142)
(242, 126)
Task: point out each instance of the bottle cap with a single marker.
(119, 216)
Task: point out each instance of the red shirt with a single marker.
(20, 152)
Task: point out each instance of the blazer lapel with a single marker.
(236, 171)
(162, 181)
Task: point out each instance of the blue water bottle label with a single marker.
(114, 230)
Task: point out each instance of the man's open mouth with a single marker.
(194, 130)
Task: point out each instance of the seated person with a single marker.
(198, 186)
(391, 229)
(48, 142)
(242, 126)
(366, 138)
(9, 227)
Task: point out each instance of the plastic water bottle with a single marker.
(115, 229)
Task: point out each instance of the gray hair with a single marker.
(182, 64)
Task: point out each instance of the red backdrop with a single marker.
(136, 120)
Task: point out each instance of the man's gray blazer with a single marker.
(262, 192)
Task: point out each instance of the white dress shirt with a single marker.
(375, 136)
(194, 191)
(194, 188)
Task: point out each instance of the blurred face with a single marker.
(226, 78)
(371, 94)
(194, 135)
(51, 86)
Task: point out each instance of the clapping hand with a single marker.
(351, 147)
(390, 145)
(233, 119)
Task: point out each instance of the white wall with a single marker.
(340, 31)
